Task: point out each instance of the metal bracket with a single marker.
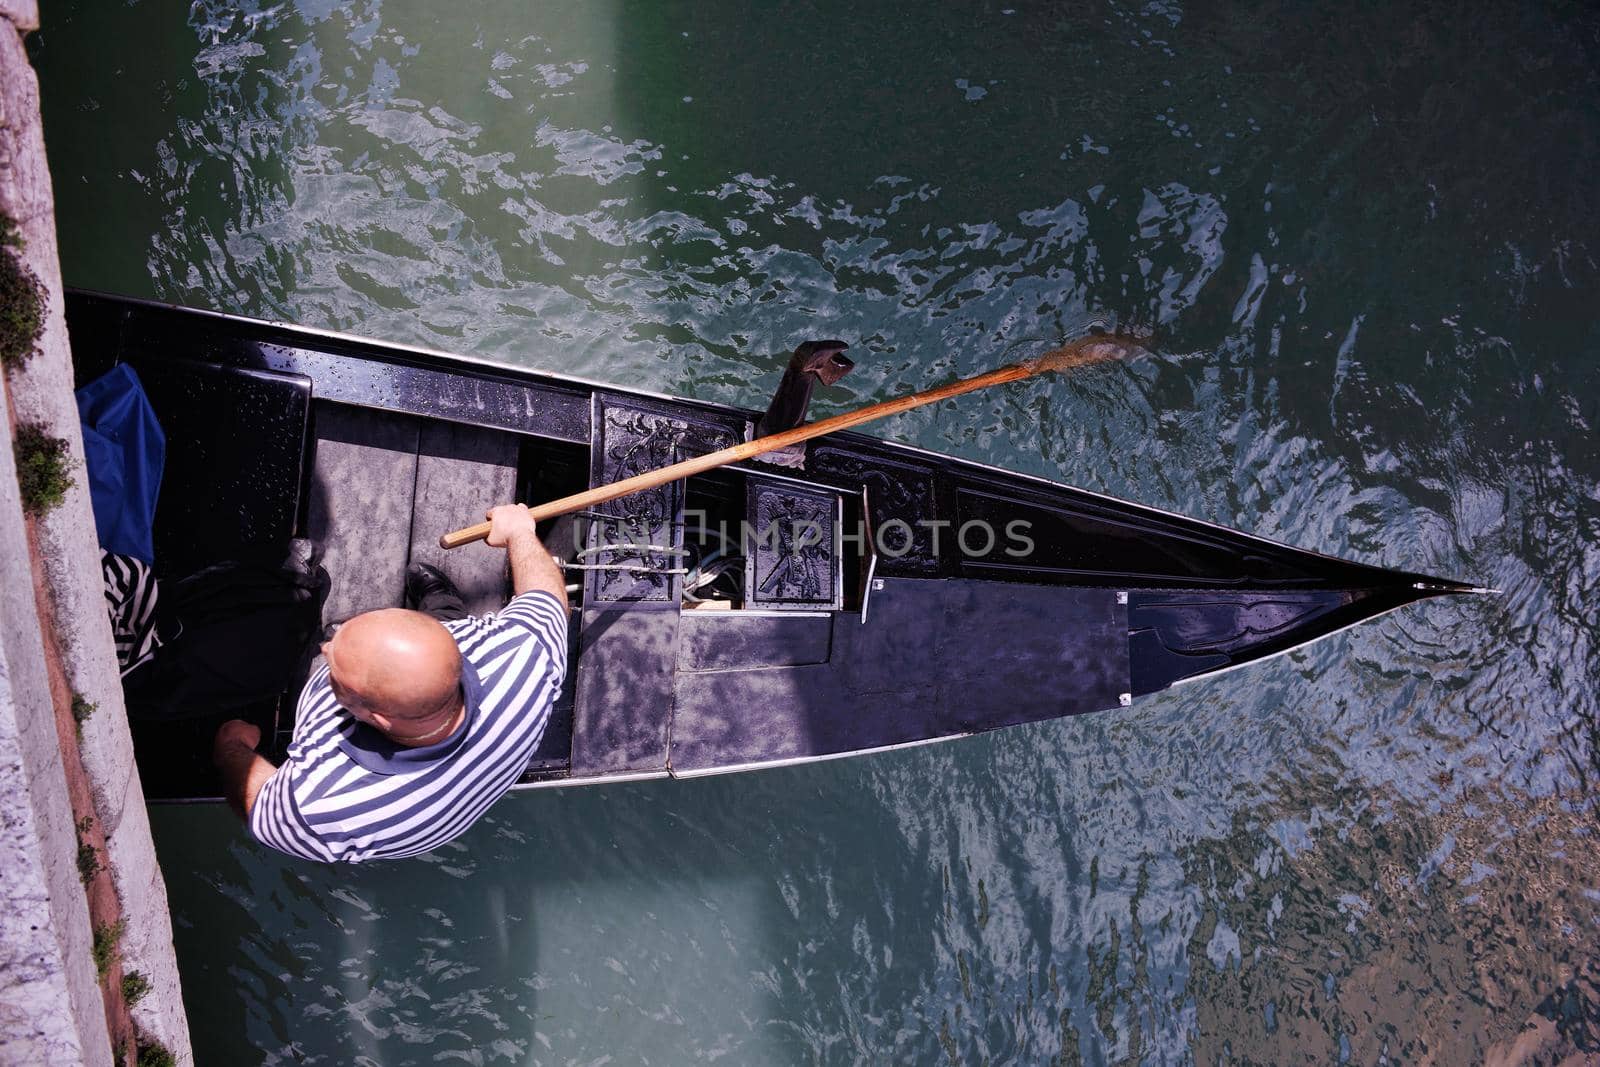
(813, 363)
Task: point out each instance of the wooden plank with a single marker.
(623, 712)
(462, 471)
(360, 507)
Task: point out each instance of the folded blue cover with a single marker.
(124, 450)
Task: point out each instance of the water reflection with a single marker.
(1461, 934)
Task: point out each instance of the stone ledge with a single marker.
(79, 632)
(50, 1006)
(22, 14)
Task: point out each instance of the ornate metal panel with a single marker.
(792, 546)
(904, 504)
(636, 542)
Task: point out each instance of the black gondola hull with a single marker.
(946, 598)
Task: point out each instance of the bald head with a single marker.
(395, 666)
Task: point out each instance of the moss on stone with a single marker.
(22, 300)
(88, 856)
(43, 465)
(88, 863)
(134, 987)
(106, 938)
(153, 1053)
(81, 710)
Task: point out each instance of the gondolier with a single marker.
(419, 720)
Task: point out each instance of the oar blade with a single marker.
(1086, 352)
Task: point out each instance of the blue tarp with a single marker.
(125, 450)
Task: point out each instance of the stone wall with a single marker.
(55, 642)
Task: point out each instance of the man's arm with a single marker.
(511, 528)
(244, 771)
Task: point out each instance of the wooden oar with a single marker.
(1080, 353)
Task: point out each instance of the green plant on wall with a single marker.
(22, 300)
(43, 466)
(89, 863)
(152, 1053)
(106, 938)
(135, 986)
(81, 710)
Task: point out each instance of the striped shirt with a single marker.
(131, 593)
(347, 793)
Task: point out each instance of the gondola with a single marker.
(851, 596)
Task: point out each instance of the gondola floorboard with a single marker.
(362, 483)
(461, 470)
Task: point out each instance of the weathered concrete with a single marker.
(22, 14)
(68, 554)
(50, 1005)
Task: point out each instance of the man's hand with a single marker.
(243, 772)
(509, 522)
(511, 528)
(234, 732)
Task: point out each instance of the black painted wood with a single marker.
(933, 659)
(1077, 538)
(236, 440)
(346, 370)
(716, 640)
(461, 472)
(624, 689)
(362, 482)
(904, 500)
(95, 330)
(553, 757)
(482, 399)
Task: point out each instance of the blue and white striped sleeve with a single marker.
(275, 819)
(545, 616)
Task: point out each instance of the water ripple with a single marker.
(1372, 338)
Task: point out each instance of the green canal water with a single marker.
(1366, 238)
